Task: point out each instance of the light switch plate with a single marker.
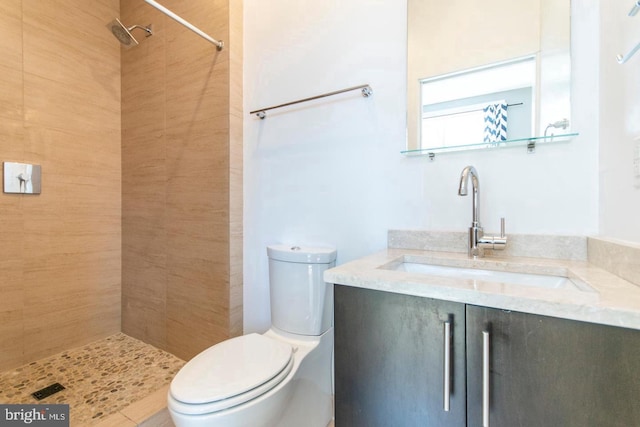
(22, 178)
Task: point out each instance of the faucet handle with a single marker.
(494, 242)
(500, 242)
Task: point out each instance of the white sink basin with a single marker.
(548, 281)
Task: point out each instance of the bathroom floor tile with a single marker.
(100, 379)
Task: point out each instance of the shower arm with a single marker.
(219, 44)
(148, 30)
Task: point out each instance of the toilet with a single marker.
(282, 378)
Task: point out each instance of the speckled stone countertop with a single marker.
(611, 299)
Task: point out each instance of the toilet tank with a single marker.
(301, 301)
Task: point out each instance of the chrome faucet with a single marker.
(478, 242)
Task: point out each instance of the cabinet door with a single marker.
(548, 372)
(389, 360)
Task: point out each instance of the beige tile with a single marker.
(195, 138)
(68, 29)
(160, 419)
(145, 319)
(176, 182)
(53, 53)
(235, 30)
(11, 343)
(189, 335)
(11, 101)
(144, 284)
(203, 150)
(116, 420)
(199, 286)
(11, 34)
(60, 250)
(70, 298)
(200, 241)
(200, 105)
(235, 66)
(143, 202)
(101, 378)
(235, 227)
(11, 313)
(143, 89)
(83, 279)
(148, 406)
(66, 108)
(146, 276)
(211, 16)
(12, 140)
(11, 253)
(50, 332)
(73, 154)
(196, 92)
(11, 287)
(72, 234)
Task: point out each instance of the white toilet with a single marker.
(281, 378)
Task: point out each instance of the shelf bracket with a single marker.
(531, 147)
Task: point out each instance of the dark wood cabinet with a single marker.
(546, 371)
(542, 371)
(389, 360)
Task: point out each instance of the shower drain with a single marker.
(48, 391)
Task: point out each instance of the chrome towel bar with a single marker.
(365, 89)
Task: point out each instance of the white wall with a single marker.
(619, 123)
(330, 172)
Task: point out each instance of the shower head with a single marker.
(123, 34)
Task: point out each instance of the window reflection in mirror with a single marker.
(485, 105)
(461, 59)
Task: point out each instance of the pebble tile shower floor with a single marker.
(100, 378)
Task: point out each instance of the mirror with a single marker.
(487, 74)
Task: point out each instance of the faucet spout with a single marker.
(462, 191)
(478, 242)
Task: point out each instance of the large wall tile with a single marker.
(11, 94)
(11, 338)
(60, 251)
(177, 223)
(145, 317)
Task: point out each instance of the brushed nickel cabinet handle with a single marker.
(447, 366)
(485, 379)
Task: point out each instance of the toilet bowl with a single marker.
(281, 378)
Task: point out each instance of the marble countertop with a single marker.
(610, 300)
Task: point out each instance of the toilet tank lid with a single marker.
(302, 254)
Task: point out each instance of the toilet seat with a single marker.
(230, 373)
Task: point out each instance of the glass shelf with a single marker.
(530, 143)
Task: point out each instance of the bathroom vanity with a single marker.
(413, 348)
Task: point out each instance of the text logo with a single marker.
(34, 415)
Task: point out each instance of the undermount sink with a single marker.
(560, 279)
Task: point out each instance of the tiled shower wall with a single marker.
(176, 221)
(182, 177)
(60, 251)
